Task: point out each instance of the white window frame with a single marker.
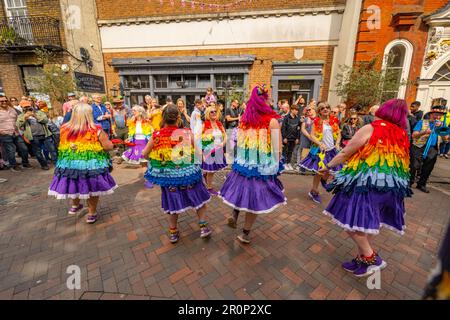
(10, 9)
(409, 50)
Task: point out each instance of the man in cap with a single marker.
(424, 150)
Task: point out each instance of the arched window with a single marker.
(443, 74)
(397, 62)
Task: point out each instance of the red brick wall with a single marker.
(108, 9)
(372, 43)
(259, 72)
(9, 63)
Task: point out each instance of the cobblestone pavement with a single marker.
(295, 252)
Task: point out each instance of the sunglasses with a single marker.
(354, 118)
(212, 112)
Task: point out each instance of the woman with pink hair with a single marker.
(253, 185)
(370, 189)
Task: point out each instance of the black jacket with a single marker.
(290, 127)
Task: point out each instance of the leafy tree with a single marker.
(366, 85)
(52, 80)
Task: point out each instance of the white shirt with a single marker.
(139, 135)
(196, 122)
(328, 139)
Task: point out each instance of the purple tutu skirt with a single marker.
(178, 200)
(368, 211)
(134, 154)
(212, 165)
(81, 188)
(252, 194)
(311, 162)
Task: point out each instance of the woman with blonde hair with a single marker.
(213, 142)
(325, 138)
(83, 167)
(139, 132)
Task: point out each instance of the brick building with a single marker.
(417, 34)
(68, 28)
(178, 48)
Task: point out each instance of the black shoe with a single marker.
(16, 168)
(45, 168)
(27, 166)
(423, 189)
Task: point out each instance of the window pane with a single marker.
(204, 80)
(220, 80)
(137, 82)
(396, 56)
(173, 79)
(160, 81)
(443, 74)
(237, 80)
(190, 81)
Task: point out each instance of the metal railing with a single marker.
(29, 31)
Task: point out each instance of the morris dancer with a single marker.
(172, 167)
(252, 185)
(82, 170)
(213, 141)
(326, 137)
(370, 190)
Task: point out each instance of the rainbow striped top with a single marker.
(209, 134)
(255, 157)
(172, 159)
(82, 155)
(381, 165)
(146, 125)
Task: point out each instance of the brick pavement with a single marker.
(295, 252)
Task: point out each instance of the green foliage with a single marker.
(8, 36)
(52, 81)
(365, 85)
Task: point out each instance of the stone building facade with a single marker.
(179, 48)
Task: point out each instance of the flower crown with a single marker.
(262, 89)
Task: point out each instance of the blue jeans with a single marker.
(10, 148)
(37, 150)
(444, 148)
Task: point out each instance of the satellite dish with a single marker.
(84, 54)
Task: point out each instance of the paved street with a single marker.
(295, 254)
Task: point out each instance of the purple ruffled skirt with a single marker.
(311, 162)
(252, 194)
(212, 165)
(134, 154)
(368, 211)
(178, 200)
(63, 187)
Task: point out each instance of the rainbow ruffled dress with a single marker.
(138, 132)
(213, 154)
(370, 189)
(82, 169)
(173, 168)
(316, 160)
(253, 184)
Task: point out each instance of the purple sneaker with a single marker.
(75, 210)
(174, 236)
(368, 267)
(91, 218)
(205, 232)
(351, 266)
(315, 197)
